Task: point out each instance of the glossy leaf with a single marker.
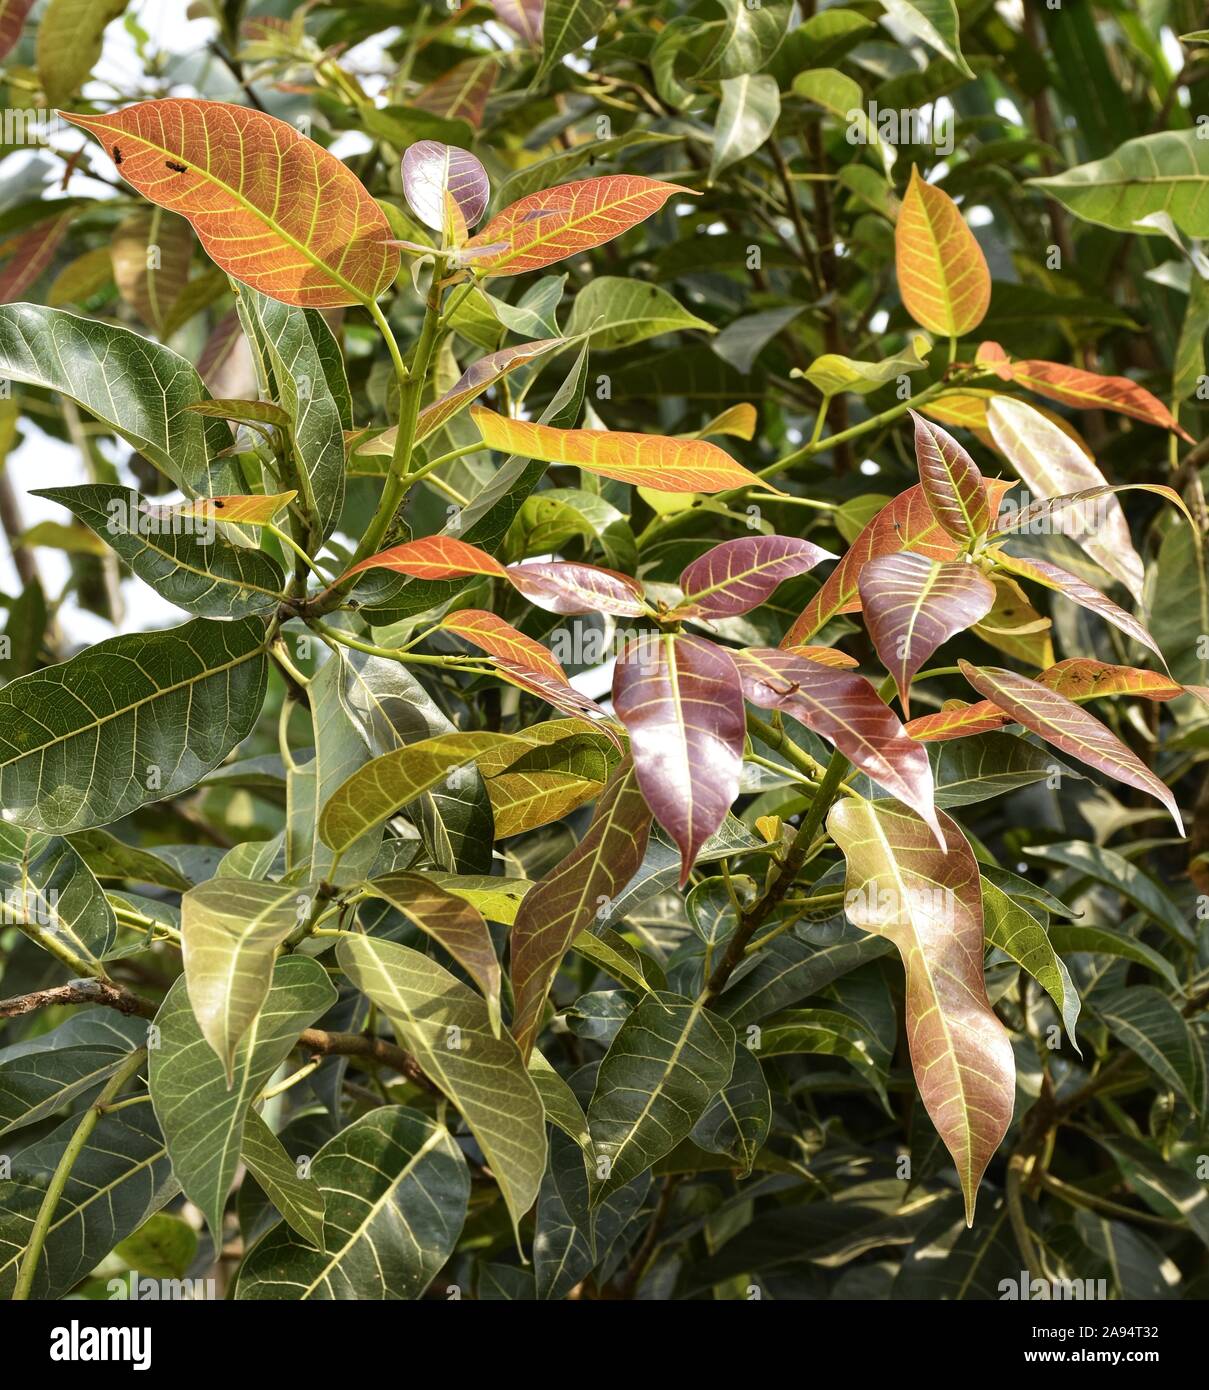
(563, 586)
(739, 575)
(269, 206)
(951, 482)
(928, 903)
(1068, 728)
(1093, 391)
(445, 187)
(1151, 1026)
(1018, 934)
(299, 1199)
(942, 274)
(567, 900)
(737, 1120)
(935, 22)
(747, 115)
(845, 709)
(546, 227)
(446, 1027)
(1083, 678)
(433, 557)
(617, 313)
(913, 605)
(681, 702)
(46, 883)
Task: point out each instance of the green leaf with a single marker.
(830, 1033)
(446, 1027)
(163, 1247)
(747, 116)
(1170, 1191)
(832, 374)
(736, 1122)
(617, 313)
(566, 26)
(136, 387)
(1177, 627)
(230, 932)
(299, 1199)
(202, 1115)
(121, 1178)
(1018, 934)
(1151, 1026)
(1166, 172)
(131, 720)
(666, 1064)
(395, 1188)
(69, 43)
(47, 886)
(110, 858)
(193, 568)
(933, 21)
(1121, 876)
(1069, 937)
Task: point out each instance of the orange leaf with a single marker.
(250, 509)
(648, 460)
(1091, 391)
(461, 94)
(942, 274)
(491, 634)
(559, 222)
(271, 207)
(957, 720)
(432, 557)
(826, 656)
(1083, 678)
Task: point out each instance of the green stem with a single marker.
(298, 550)
(58, 1181)
(452, 663)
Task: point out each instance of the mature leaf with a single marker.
(202, 1113)
(617, 313)
(951, 482)
(1052, 465)
(681, 702)
(299, 1199)
(1151, 1026)
(1070, 937)
(395, 1189)
(913, 605)
(989, 764)
(189, 566)
(646, 460)
(669, 1060)
(1165, 172)
(69, 43)
(446, 1027)
(269, 206)
(567, 900)
(566, 25)
(131, 720)
(935, 22)
(942, 273)
(739, 575)
(46, 884)
(747, 116)
(547, 783)
(139, 388)
(1070, 729)
(230, 932)
(1119, 875)
(452, 922)
(1165, 1188)
(845, 709)
(1018, 934)
(546, 227)
(927, 902)
(736, 1122)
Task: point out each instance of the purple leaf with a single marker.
(951, 482)
(566, 586)
(446, 187)
(739, 575)
(682, 705)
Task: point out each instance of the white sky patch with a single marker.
(979, 216)
(1008, 110)
(869, 468)
(1173, 51)
(878, 321)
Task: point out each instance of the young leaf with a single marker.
(432, 557)
(1070, 729)
(951, 482)
(394, 1188)
(270, 207)
(562, 586)
(739, 575)
(1052, 465)
(912, 605)
(230, 932)
(446, 1027)
(957, 720)
(1083, 678)
(451, 922)
(567, 900)
(1092, 391)
(12, 20)
(549, 226)
(680, 700)
(445, 187)
(942, 273)
(928, 903)
(245, 509)
(131, 720)
(845, 709)
(646, 460)
(666, 1064)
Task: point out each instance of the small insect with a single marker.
(117, 154)
(218, 502)
(176, 168)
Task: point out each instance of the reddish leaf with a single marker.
(445, 187)
(555, 223)
(826, 656)
(847, 711)
(271, 207)
(957, 720)
(1082, 678)
(1070, 729)
(993, 357)
(523, 17)
(928, 902)
(566, 586)
(681, 703)
(647, 460)
(1052, 465)
(1091, 391)
(12, 21)
(942, 274)
(461, 95)
(565, 902)
(30, 254)
(739, 575)
(1080, 592)
(912, 605)
(951, 482)
(432, 557)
